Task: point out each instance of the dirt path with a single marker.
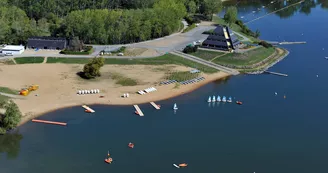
(217, 57)
(45, 60)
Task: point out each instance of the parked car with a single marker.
(120, 54)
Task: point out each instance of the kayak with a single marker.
(109, 160)
(183, 165)
(131, 145)
(176, 166)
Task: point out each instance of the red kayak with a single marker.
(239, 102)
(131, 145)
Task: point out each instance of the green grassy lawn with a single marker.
(124, 81)
(233, 26)
(182, 76)
(206, 55)
(8, 90)
(161, 60)
(247, 58)
(29, 60)
(3, 98)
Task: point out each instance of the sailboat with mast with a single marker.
(175, 107)
(218, 99)
(224, 99)
(213, 99)
(229, 100)
(209, 99)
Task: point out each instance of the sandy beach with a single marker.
(59, 85)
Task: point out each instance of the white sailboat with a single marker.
(218, 99)
(229, 100)
(213, 99)
(175, 107)
(209, 99)
(224, 99)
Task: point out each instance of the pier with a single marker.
(49, 122)
(286, 42)
(155, 105)
(275, 73)
(89, 109)
(138, 110)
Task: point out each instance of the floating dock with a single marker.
(89, 109)
(49, 122)
(155, 105)
(138, 110)
(275, 73)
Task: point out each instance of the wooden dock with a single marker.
(49, 122)
(275, 73)
(155, 105)
(138, 110)
(89, 109)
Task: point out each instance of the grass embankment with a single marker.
(8, 91)
(190, 27)
(243, 59)
(206, 55)
(29, 60)
(234, 27)
(124, 81)
(161, 60)
(182, 76)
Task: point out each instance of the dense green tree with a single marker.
(231, 15)
(210, 7)
(11, 117)
(192, 7)
(92, 69)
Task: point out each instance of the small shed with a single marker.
(13, 50)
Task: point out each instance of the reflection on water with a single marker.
(273, 5)
(10, 144)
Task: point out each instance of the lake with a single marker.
(267, 134)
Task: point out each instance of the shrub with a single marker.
(192, 19)
(190, 49)
(2, 131)
(121, 49)
(240, 23)
(92, 69)
(86, 51)
(265, 44)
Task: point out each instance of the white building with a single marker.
(13, 50)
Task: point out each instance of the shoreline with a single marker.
(159, 97)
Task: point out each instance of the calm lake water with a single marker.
(267, 134)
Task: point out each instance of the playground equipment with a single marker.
(26, 91)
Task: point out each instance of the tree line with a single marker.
(97, 21)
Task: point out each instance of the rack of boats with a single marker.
(168, 82)
(192, 80)
(147, 90)
(219, 99)
(223, 99)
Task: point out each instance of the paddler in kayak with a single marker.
(131, 145)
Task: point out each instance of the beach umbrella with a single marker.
(92, 91)
(127, 94)
(85, 92)
(98, 91)
(82, 92)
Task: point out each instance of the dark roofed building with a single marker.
(47, 43)
(222, 38)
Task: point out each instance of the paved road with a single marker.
(12, 95)
(207, 63)
(183, 39)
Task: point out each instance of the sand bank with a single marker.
(59, 85)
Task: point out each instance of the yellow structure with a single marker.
(25, 91)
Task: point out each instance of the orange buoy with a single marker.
(131, 145)
(109, 160)
(183, 165)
